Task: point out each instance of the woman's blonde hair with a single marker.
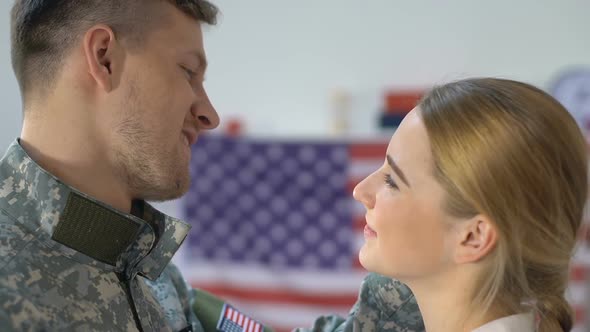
(508, 150)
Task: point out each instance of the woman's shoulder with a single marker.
(515, 323)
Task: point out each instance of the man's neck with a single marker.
(73, 156)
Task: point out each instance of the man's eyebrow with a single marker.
(397, 170)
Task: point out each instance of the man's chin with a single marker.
(170, 192)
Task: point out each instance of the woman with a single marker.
(477, 206)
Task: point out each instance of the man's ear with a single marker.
(100, 50)
(477, 237)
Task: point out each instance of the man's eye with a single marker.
(190, 75)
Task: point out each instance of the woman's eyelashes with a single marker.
(389, 182)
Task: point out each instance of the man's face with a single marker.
(160, 108)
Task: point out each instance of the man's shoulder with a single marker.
(27, 262)
(13, 238)
(40, 302)
(19, 291)
(18, 312)
(387, 304)
(171, 278)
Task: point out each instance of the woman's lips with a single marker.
(369, 232)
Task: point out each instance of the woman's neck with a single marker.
(445, 303)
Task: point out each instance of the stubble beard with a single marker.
(151, 170)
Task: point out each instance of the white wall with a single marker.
(10, 103)
(274, 63)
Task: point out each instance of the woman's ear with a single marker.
(477, 237)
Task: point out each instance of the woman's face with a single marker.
(408, 234)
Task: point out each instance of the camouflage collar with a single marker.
(83, 228)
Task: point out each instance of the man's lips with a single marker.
(191, 136)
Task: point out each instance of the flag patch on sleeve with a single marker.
(231, 320)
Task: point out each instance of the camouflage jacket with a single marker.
(383, 304)
(71, 263)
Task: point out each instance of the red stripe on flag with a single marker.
(351, 184)
(277, 296)
(368, 150)
(579, 272)
(401, 101)
(245, 325)
(358, 224)
(284, 328)
(580, 313)
(228, 312)
(234, 317)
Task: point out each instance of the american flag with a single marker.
(275, 229)
(578, 293)
(232, 320)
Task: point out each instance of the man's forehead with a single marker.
(185, 43)
(181, 28)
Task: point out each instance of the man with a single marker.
(113, 99)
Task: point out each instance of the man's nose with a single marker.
(205, 114)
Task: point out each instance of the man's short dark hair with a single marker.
(43, 31)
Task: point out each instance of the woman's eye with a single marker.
(389, 182)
